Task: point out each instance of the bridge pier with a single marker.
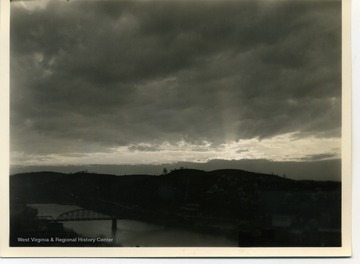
(114, 224)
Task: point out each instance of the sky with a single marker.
(160, 82)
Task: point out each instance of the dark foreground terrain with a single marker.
(256, 209)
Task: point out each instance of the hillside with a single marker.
(192, 198)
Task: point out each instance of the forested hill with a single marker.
(263, 209)
(226, 193)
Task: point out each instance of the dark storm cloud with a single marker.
(86, 74)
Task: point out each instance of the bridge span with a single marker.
(87, 215)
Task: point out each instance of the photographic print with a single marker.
(200, 125)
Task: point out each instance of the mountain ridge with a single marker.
(219, 200)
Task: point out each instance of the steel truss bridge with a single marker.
(86, 215)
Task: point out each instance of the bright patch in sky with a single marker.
(286, 147)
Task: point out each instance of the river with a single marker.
(133, 233)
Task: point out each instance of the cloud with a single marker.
(144, 147)
(89, 76)
(322, 156)
(289, 148)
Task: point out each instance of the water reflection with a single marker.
(133, 233)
